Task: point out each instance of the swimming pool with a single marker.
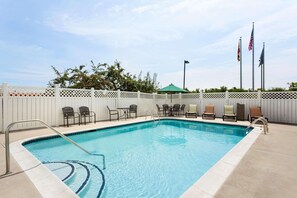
(143, 160)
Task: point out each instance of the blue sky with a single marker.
(153, 36)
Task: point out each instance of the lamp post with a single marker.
(185, 62)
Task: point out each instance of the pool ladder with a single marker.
(7, 149)
(264, 122)
(155, 118)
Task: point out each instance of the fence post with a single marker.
(166, 97)
(201, 101)
(58, 105)
(154, 101)
(138, 98)
(119, 99)
(92, 99)
(227, 97)
(180, 98)
(4, 106)
(259, 98)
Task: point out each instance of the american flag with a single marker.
(261, 61)
(251, 41)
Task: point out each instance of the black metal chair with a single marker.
(85, 112)
(175, 109)
(113, 112)
(160, 110)
(182, 109)
(133, 109)
(68, 112)
(165, 109)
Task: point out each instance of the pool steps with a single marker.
(7, 147)
(81, 177)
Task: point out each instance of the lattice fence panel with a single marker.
(190, 96)
(146, 95)
(279, 95)
(80, 93)
(214, 96)
(31, 91)
(128, 94)
(243, 95)
(105, 94)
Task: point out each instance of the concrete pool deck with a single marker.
(267, 170)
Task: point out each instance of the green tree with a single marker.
(276, 89)
(104, 76)
(62, 79)
(292, 86)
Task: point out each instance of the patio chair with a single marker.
(159, 109)
(166, 109)
(192, 112)
(229, 113)
(85, 112)
(68, 112)
(255, 112)
(113, 112)
(209, 112)
(133, 109)
(182, 109)
(175, 109)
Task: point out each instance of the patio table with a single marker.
(125, 111)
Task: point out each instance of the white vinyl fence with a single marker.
(24, 103)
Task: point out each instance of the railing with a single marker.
(7, 149)
(264, 122)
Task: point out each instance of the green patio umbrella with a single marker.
(172, 89)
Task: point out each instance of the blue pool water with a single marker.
(142, 160)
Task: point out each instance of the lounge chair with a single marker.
(68, 112)
(255, 112)
(175, 109)
(133, 109)
(113, 112)
(229, 113)
(160, 110)
(192, 112)
(209, 112)
(85, 112)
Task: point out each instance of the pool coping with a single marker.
(206, 186)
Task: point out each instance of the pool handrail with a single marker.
(7, 149)
(264, 122)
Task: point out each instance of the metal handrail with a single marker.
(264, 122)
(7, 149)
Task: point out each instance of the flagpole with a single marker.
(253, 64)
(240, 41)
(261, 77)
(263, 66)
